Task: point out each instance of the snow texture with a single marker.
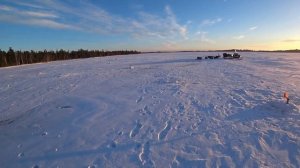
(152, 110)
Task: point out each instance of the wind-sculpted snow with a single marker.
(152, 110)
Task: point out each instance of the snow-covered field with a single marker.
(152, 110)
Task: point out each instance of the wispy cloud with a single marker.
(50, 24)
(40, 14)
(36, 22)
(253, 28)
(32, 17)
(26, 4)
(174, 25)
(202, 37)
(9, 10)
(240, 37)
(245, 33)
(5, 8)
(210, 22)
(91, 18)
(156, 26)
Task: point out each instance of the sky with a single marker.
(150, 25)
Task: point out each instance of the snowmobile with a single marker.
(235, 55)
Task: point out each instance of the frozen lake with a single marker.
(152, 110)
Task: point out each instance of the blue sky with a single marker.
(150, 25)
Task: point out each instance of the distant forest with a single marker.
(12, 57)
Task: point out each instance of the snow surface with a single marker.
(152, 110)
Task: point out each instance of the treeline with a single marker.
(12, 57)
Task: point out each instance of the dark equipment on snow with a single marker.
(231, 56)
(235, 55)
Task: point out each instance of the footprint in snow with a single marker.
(120, 133)
(144, 155)
(135, 130)
(44, 133)
(147, 110)
(64, 107)
(92, 166)
(164, 132)
(35, 166)
(20, 155)
(6, 122)
(113, 144)
(140, 99)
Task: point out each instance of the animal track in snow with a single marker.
(135, 130)
(164, 132)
